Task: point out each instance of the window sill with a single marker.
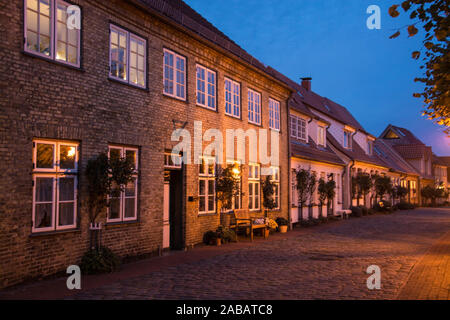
(120, 223)
(175, 98)
(233, 117)
(54, 233)
(207, 214)
(207, 108)
(29, 54)
(128, 84)
(255, 124)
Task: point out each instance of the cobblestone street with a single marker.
(327, 263)
(324, 262)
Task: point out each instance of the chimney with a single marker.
(306, 83)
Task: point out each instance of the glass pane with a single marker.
(66, 214)
(44, 25)
(122, 40)
(202, 187)
(61, 51)
(32, 43)
(114, 208)
(31, 20)
(66, 189)
(141, 63)
(114, 153)
(130, 208)
(141, 80)
(73, 37)
(130, 190)
(73, 54)
(114, 37)
(211, 203)
(32, 4)
(44, 45)
(133, 75)
(44, 7)
(43, 215)
(62, 13)
(61, 32)
(141, 49)
(44, 189)
(45, 156)
(133, 45)
(67, 157)
(211, 184)
(131, 156)
(133, 60)
(201, 205)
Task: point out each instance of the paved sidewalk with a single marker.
(430, 277)
(324, 262)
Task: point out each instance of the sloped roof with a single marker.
(182, 14)
(403, 136)
(392, 159)
(312, 151)
(442, 161)
(356, 153)
(412, 151)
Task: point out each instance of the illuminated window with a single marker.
(254, 187)
(46, 31)
(55, 169)
(127, 54)
(347, 139)
(321, 136)
(207, 186)
(298, 128)
(275, 179)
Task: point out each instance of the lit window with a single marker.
(254, 107)
(46, 31)
(174, 75)
(298, 128)
(127, 57)
(207, 186)
(55, 169)
(206, 87)
(274, 114)
(254, 187)
(123, 204)
(275, 179)
(321, 136)
(232, 98)
(237, 173)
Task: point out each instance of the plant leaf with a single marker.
(395, 35)
(416, 55)
(412, 30)
(406, 5)
(393, 11)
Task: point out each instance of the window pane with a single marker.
(130, 190)
(211, 184)
(32, 4)
(44, 45)
(43, 215)
(72, 54)
(67, 157)
(32, 20)
(32, 42)
(45, 155)
(201, 204)
(66, 214)
(66, 189)
(202, 187)
(130, 209)
(115, 153)
(114, 208)
(44, 189)
(44, 25)
(131, 156)
(44, 7)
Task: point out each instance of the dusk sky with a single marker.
(328, 40)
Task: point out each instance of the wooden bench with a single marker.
(242, 219)
(344, 214)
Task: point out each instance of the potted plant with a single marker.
(282, 224)
(227, 187)
(212, 238)
(268, 189)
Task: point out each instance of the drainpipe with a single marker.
(350, 183)
(289, 163)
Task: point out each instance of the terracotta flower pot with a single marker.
(283, 229)
(218, 242)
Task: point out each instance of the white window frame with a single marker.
(55, 173)
(275, 179)
(321, 136)
(53, 34)
(254, 182)
(235, 103)
(129, 37)
(347, 141)
(274, 114)
(122, 196)
(254, 107)
(174, 71)
(207, 176)
(206, 84)
(295, 132)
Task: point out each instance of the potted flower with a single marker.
(282, 224)
(271, 226)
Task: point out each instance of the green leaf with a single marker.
(393, 11)
(395, 35)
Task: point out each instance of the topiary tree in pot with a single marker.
(364, 185)
(330, 187)
(322, 191)
(227, 187)
(268, 191)
(311, 187)
(302, 179)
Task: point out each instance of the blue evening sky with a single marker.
(328, 40)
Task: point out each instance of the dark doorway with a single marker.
(176, 210)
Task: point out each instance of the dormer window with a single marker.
(347, 139)
(298, 128)
(321, 136)
(369, 147)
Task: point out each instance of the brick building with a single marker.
(135, 72)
